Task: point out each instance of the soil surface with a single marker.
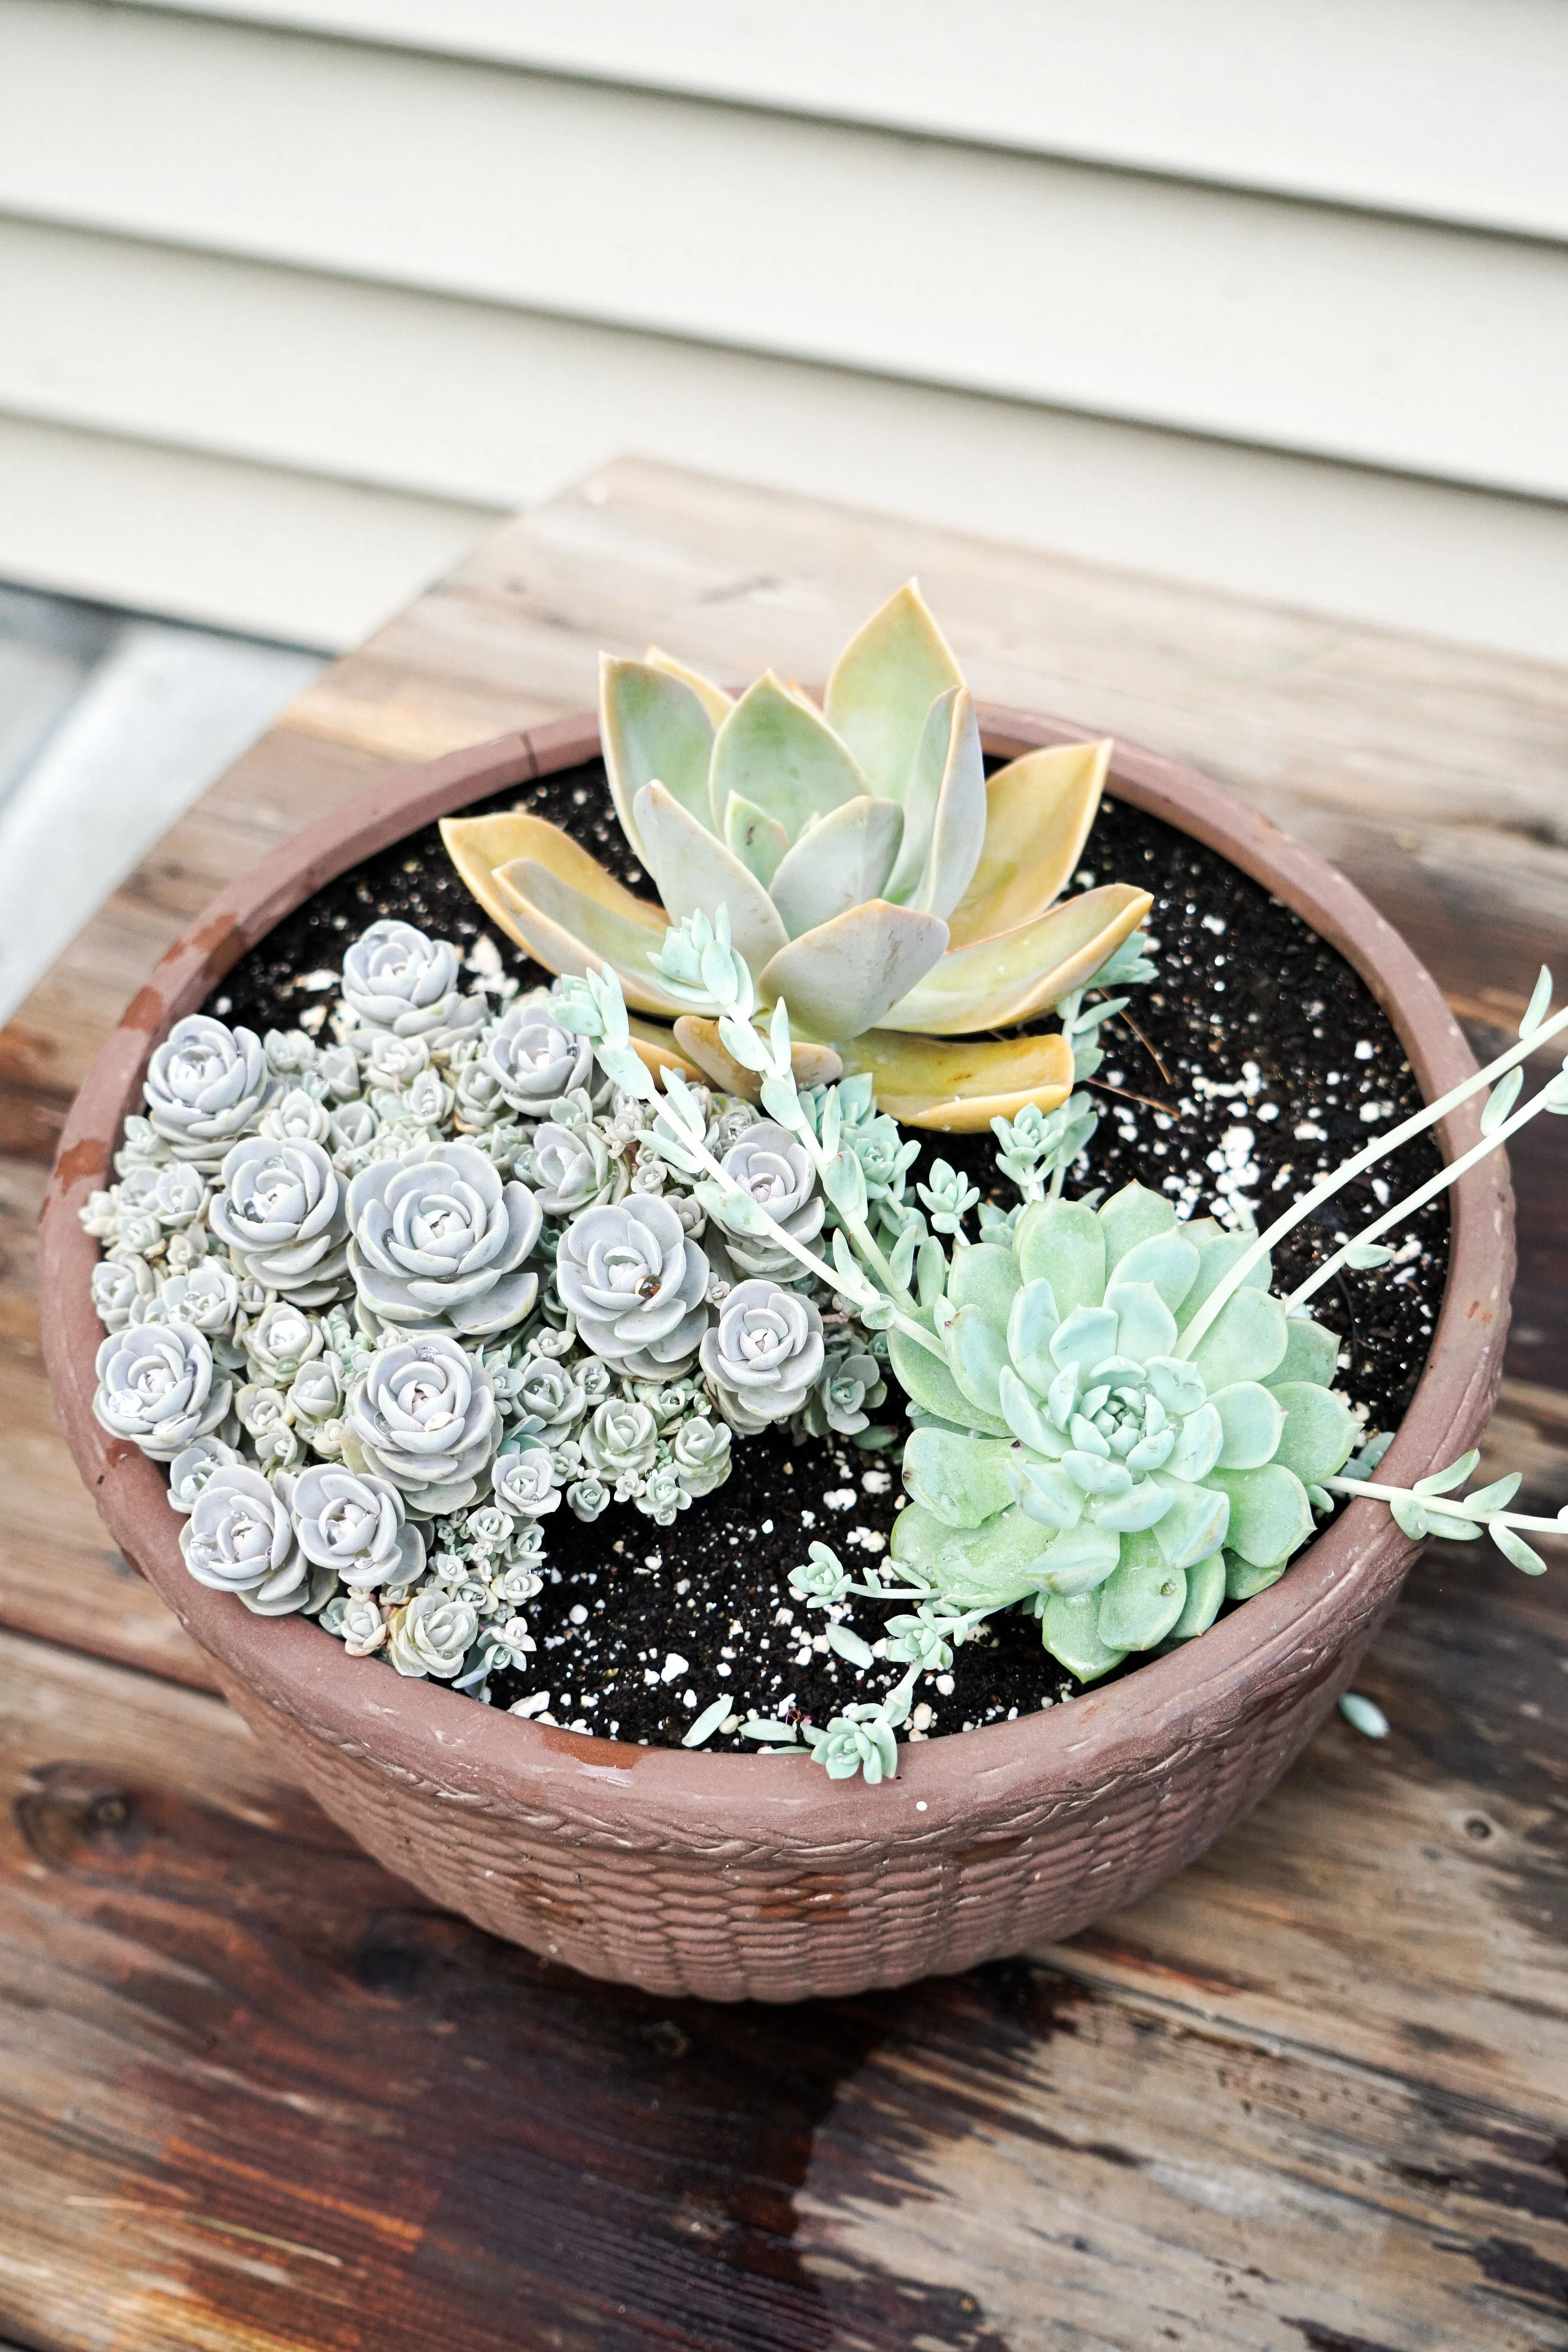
(1257, 1060)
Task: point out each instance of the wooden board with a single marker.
(1313, 2093)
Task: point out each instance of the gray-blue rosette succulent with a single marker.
(1074, 1452)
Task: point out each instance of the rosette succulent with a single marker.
(399, 983)
(1075, 1452)
(159, 1387)
(523, 1480)
(356, 1525)
(240, 1538)
(432, 1635)
(281, 1217)
(206, 1084)
(532, 1061)
(872, 876)
(636, 1285)
(423, 1416)
(571, 1168)
(778, 1173)
(765, 1354)
(441, 1241)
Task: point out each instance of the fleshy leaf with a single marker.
(883, 684)
(1197, 1445)
(1321, 1432)
(776, 752)
(1217, 1253)
(1246, 1340)
(1311, 1353)
(1242, 1580)
(1084, 1337)
(1139, 1605)
(985, 1277)
(1132, 1215)
(1031, 1321)
(1143, 1506)
(652, 724)
(695, 872)
(945, 806)
(1205, 1590)
(841, 860)
(1270, 1516)
(1023, 1417)
(927, 1382)
(918, 1535)
(758, 840)
(1071, 1630)
(1168, 1260)
(976, 1353)
(1063, 1241)
(1047, 1492)
(963, 1480)
(994, 983)
(1251, 1418)
(713, 699)
(1038, 812)
(997, 1563)
(1196, 1523)
(1145, 1325)
(481, 846)
(568, 929)
(699, 1041)
(958, 1086)
(847, 976)
(1080, 1558)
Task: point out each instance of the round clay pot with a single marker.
(757, 1877)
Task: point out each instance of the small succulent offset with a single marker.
(870, 872)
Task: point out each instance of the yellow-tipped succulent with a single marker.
(873, 877)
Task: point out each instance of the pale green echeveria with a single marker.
(872, 875)
(1071, 1454)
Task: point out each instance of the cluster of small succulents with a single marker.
(383, 1301)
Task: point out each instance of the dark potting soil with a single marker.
(1255, 1061)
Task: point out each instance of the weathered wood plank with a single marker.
(258, 2094)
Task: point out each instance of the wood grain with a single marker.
(258, 2094)
(1313, 2093)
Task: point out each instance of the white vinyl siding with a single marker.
(1274, 299)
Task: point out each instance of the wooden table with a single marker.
(258, 2097)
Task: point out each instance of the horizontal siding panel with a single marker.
(1341, 335)
(441, 410)
(1451, 109)
(295, 557)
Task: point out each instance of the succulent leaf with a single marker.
(976, 1353)
(1246, 1340)
(959, 1087)
(652, 725)
(1311, 1353)
(1321, 1432)
(1167, 1260)
(1217, 1253)
(1196, 1523)
(1064, 1240)
(758, 840)
(998, 1562)
(1038, 812)
(944, 808)
(571, 930)
(963, 1480)
(1031, 1321)
(1205, 1590)
(1252, 1419)
(847, 975)
(1270, 1516)
(997, 982)
(986, 1277)
(883, 684)
(1071, 1630)
(917, 1536)
(1143, 1600)
(699, 1041)
(928, 1383)
(1147, 1327)
(713, 699)
(1080, 1558)
(695, 873)
(1242, 1580)
(840, 861)
(1134, 1215)
(776, 752)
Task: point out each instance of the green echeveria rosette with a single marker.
(1071, 1452)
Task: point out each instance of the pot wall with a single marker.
(734, 1877)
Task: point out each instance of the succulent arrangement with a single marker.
(870, 873)
(384, 1298)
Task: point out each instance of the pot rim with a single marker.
(1207, 1692)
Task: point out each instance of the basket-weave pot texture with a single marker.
(736, 1878)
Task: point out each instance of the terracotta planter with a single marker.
(745, 1876)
